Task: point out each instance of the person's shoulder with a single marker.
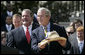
(15, 30)
(38, 28)
(57, 25)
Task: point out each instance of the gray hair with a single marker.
(29, 11)
(48, 13)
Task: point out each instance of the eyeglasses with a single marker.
(70, 32)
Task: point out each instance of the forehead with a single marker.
(16, 19)
(8, 18)
(41, 12)
(25, 13)
(80, 31)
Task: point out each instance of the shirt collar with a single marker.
(26, 27)
(48, 26)
(8, 25)
(80, 41)
(10, 12)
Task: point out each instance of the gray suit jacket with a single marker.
(74, 43)
(16, 38)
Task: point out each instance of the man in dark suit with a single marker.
(55, 47)
(8, 26)
(20, 37)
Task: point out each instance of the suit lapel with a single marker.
(22, 33)
(76, 46)
(51, 27)
(34, 25)
(41, 32)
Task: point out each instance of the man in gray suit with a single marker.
(78, 43)
(17, 38)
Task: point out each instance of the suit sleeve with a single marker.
(34, 43)
(9, 41)
(68, 45)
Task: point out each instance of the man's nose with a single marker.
(24, 17)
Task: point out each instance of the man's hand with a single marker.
(62, 41)
(41, 46)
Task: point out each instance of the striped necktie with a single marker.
(45, 31)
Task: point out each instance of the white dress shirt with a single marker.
(8, 27)
(29, 28)
(48, 29)
(80, 44)
(10, 13)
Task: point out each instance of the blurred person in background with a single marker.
(17, 20)
(3, 38)
(69, 30)
(8, 26)
(4, 48)
(9, 12)
(76, 23)
(78, 44)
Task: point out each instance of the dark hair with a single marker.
(78, 21)
(73, 25)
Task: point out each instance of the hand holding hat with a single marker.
(53, 36)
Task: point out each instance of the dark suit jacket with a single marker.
(17, 38)
(3, 28)
(74, 44)
(54, 47)
(3, 18)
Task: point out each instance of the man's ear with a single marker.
(49, 17)
(32, 17)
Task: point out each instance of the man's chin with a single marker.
(40, 23)
(26, 23)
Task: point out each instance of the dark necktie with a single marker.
(28, 35)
